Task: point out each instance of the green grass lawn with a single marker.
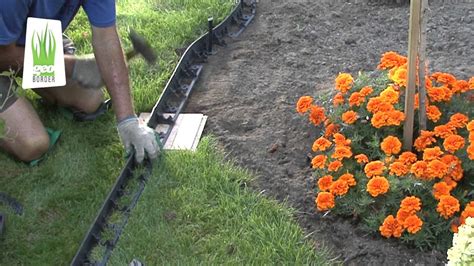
(195, 208)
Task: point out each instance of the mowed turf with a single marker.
(195, 208)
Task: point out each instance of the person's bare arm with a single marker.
(110, 58)
(11, 57)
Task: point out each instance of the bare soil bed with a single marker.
(294, 48)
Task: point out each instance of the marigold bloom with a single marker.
(325, 182)
(453, 143)
(470, 151)
(419, 169)
(341, 152)
(430, 154)
(334, 166)
(447, 206)
(303, 104)
(437, 169)
(362, 158)
(319, 161)
(391, 227)
(425, 139)
(450, 182)
(441, 189)
(470, 126)
(331, 129)
(391, 118)
(460, 86)
(339, 187)
(390, 95)
(411, 204)
(458, 120)
(374, 168)
(444, 131)
(321, 144)
(413, 224)
(378, 185)
(341, 140)
(402, 215)
(325, 201)
(399, 169)
(400, 76)
(391, 145)
(471, 83)
(471, 136)
(390, 60)
(356, 99)
(349, 117)
(468, 212)
(443, 78)
(349, 178)
(455, 170)
(338, 99)
(439, 94)
(316, 115)
(344, 82)
(433, 113)
(366, 91)
(407, 158)
(377, 104)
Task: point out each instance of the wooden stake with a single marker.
(423, 66)
(413, 41)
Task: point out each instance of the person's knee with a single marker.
(33, 148)
(91, 103)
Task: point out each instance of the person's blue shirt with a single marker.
(14, 13)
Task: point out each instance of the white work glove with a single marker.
(86, 72)
(139, 137)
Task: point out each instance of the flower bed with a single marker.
(419, 196)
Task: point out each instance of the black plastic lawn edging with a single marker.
(165, 112)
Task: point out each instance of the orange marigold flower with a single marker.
(331, 129)
(470, 126)
(411, 204)
(349, 178)
(468, 212)
(391, 227)
(362, 158)
(450, 182)
(338, 99)
(339, 187)
(325, 182)
(437, 169)
(460, 86)
(430, 154)
(304, 103)
(433, 113)
(366, 91)
(447, 206)
(349, 117)
(377, 104)
(439, 94)
(441, 189)
(391, 145)
(444, 131)
(413, 224)
(402, 215)
(391, 118)
(395, 117)
(390, 60)
(458, 120)
(334, 166)
(453, 143)
(454, 164)
(443, 78)
(316, 115)
(342, 152)
(399, 169)
(419, 169)
(407, 158)
(400, 76)
(425, 139)
(378, 185)
(344, 82)
(341, 140)
(471, 83)
(319, 161)
(470, 151)
(374, 168)
(325, 201)
(321, 144)
(389, 95)
(356, 99)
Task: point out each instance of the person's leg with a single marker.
(26, 138)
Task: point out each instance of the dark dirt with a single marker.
(295, 48)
